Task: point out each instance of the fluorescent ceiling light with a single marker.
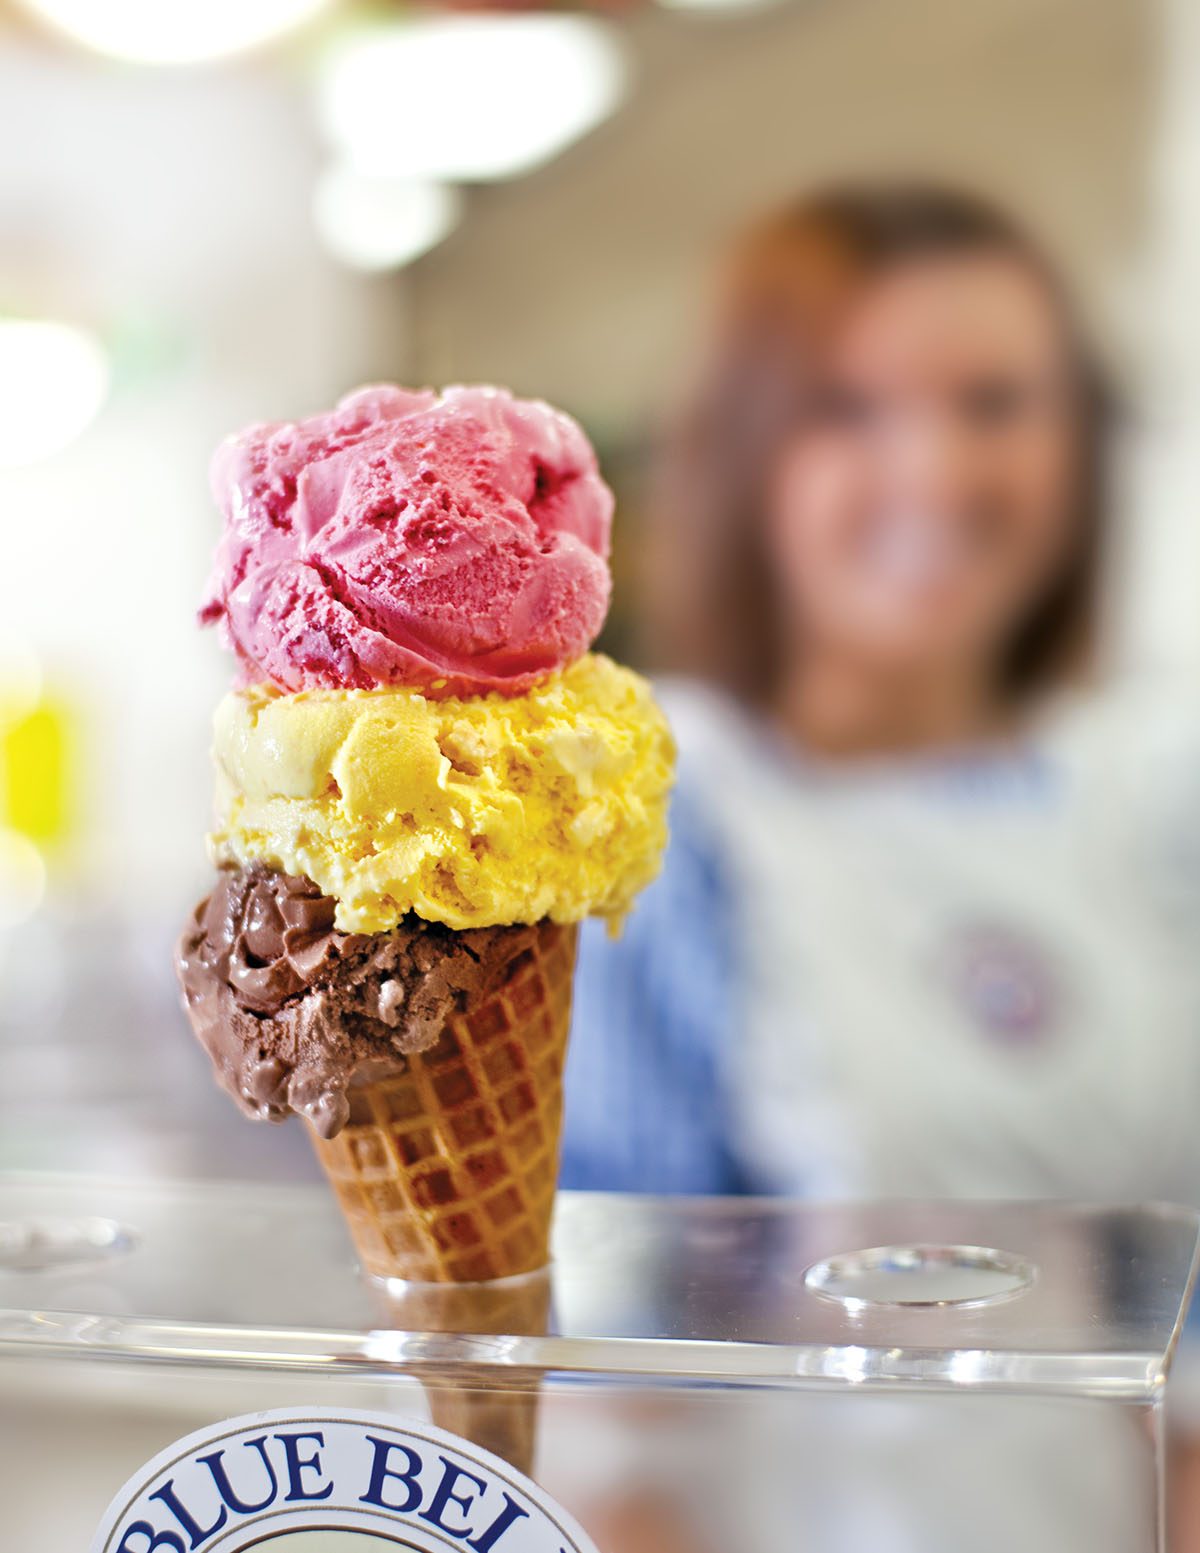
(174, 32)
(53, 381)
(373, 223)
(469, 98)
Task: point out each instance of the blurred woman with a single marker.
(927, 924)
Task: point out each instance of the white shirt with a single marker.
(970, 976)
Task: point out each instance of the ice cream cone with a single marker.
(423, 765)
(445, 1171)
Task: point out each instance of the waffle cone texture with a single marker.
(446, 1171)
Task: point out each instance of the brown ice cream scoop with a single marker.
(429, 1063)
(292, 1011)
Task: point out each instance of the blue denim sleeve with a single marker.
(653, 1010)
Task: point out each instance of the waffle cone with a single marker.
(446, 1170)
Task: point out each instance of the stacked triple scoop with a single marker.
(424, 781)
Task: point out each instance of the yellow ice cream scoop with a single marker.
(471, 811)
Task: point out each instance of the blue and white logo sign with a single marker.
(311, 1480)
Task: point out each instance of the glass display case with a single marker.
(694, 1375)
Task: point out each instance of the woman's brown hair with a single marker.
(715, 610)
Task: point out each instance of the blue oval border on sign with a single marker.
(244, 1482)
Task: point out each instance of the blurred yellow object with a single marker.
(34, 761)
(471, 811)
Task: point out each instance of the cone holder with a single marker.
(765, 1376)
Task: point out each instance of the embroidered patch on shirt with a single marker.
(1006, 981)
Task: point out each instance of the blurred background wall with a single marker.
(170, 211)
(248, 234)
(582, 278)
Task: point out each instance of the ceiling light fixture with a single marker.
(174, 32)
(468, 98)
(53, 381)
(373, 223)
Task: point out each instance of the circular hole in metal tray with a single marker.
(41, 1244)
(920, 1275)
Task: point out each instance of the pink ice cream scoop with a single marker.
(454, 543)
